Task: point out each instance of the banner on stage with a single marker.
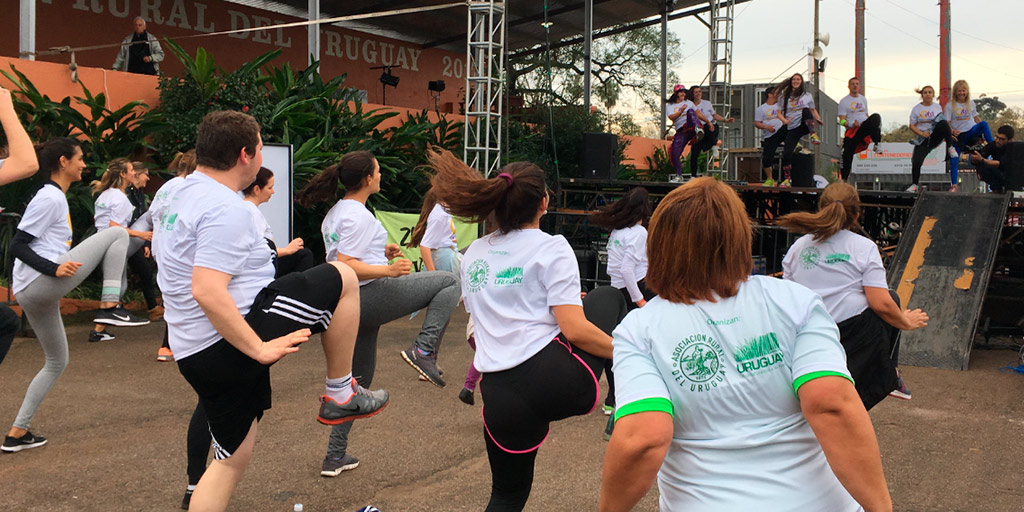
(895, 159)
(400, 225)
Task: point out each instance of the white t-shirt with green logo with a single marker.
(730, 370)
(46, 218)
(440, 230)
(627, 259)
(509, 284)
(838, 269)
(350, 229)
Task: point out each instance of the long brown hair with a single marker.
(838, 209)
(112, 177)
(350, 172)
(514, 196)
(429, 201)
(699, 243)
(183, 163)
(633, 207)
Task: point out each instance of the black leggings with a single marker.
(609, 399)
(940, 133)
(197, 444)
(793, 136)
(140, 264)
(872, 126)
(704, 144)
(299, 261)
(770, 145)
(558, 382)
(9, 325)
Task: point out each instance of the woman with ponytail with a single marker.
(845, 268)
(113, 209)
(387, 292)
(931, 129)
(799, 115)
(539, 352)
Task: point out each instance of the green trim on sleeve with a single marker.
(645, 405)
(804, 379)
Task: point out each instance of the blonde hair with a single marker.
(838, 209)
(962, 84)
(183, 163)
(699, 244)
(112, 177)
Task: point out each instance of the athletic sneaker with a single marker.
(164, 355)
(363, 404)
(466, 395)
(952, 153)
(426, 365)
(334, 466)
(424, 379)
(876, 147)
(769, 182)
(699, 133)
(95, 336)
(25, 442)
(187, 499)
(119, 316)
(608, 410)
(785, 184)
(675, 178)
(815, 139)
(954, 188)
(912, 188)
(901, 392)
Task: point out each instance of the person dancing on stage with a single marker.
(45, 270)
(966, 125)
(387, 292)
(541, 359)
(926, 121)
(845, 268)
(773, 132)
(707, 115)
(799, 115)
(687, 121)
(860, 127)
(229, 319)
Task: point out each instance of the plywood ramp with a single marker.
(942, 265)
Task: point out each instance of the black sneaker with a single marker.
(119, 316)
(333, 466)
(187, 499)
(95, 336)
(466, 395)
(426, 365)
(25, 442)
(363, 404)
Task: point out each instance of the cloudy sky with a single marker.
(901, 47)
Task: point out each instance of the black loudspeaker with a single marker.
(1012, 166)
(598, 158)
(802, 173)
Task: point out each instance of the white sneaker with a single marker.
(952, 153)
(876, 147)
(912, 188)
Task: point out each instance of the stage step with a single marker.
(942, 265)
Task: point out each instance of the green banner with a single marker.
(400, 225)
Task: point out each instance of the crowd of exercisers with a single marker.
(732, 391)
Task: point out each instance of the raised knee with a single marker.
(348, 276)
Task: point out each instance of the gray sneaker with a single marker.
(426, 365)
(333, 466)
(363, 404)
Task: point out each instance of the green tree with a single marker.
(1013, 116)
(989, 108)
(898, 133)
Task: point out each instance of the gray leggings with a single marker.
(391, 298)
(134, 244)
(41, 303)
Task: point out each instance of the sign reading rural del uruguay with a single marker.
(895, 159)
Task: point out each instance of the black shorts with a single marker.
(519, 403)
(233, 388)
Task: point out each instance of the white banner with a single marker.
(895, 159)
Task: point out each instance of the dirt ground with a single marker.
(116, 423)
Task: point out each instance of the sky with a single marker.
(901, 47)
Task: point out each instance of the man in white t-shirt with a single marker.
(229, 320)
(860, 127)
(773, 131)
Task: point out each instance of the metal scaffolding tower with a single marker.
(485, 78)
(722, 14)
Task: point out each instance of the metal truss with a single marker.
(485, 78)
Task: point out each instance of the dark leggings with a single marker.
(609, 399)
(9, 324)
(872, 126)
(519, 403)
(770, 145)
(139, 264)
(793, 136)
(197, 444)
(299, 261)
(708, 142)
(940, 133)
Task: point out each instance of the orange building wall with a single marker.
(79, 23)
(54, 80)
